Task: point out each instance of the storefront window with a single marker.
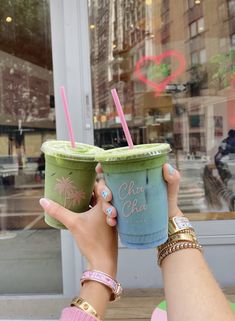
(30, 250)
(174, 70)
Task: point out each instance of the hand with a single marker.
(96, 240)
(172, 178)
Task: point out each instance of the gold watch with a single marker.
(177, 224)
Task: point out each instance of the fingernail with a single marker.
(109, 221)
(44, 202)
(105, 193)
(171, 169)
(109, 211)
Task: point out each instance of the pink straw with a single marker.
(122, 118)
(67, 116)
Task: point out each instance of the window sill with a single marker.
(211, 216)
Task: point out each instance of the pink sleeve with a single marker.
(75, 314)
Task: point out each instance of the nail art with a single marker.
(105, 194)
(109, 211)
(171, 169)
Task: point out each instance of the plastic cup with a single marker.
(139, 193)
(69, 175)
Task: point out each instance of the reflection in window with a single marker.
(193, 112)
(193, 29)
(231, 4)
(194, 58)
(233, 41)
(27, 118)
(196, 27)
(202, 56)
(200, 25)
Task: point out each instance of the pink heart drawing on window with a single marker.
(159, 87)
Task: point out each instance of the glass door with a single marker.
(30, 250)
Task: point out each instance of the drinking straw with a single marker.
(67, 116)
(122, 118)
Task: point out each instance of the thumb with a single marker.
(172, 177)
(60, 213)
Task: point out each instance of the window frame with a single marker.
(70, 45)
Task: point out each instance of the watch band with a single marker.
(177, 224)
(105, 279)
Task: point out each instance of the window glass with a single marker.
(232, 7)
(233, 41)
(183, 95)
(200, 25)
(191, 3)
(30, 250)
(194, 58)
(193, 29)
(202, 56)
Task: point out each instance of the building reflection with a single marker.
(196, 109)
(124, 31)
(27, 114)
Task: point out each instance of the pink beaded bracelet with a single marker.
(101, 277)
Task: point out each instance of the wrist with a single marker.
(104, 279)
(174, 211)
(97, 295)
(107, 267)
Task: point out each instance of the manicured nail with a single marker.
(171, 169)
(44, 202)
(109, 211)
(105, 193)
(109, 220)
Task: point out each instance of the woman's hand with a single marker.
(96, 240)
(172, 178)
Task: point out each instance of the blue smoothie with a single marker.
(139, 193)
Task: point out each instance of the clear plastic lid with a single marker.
(138, 152)
(63, 149)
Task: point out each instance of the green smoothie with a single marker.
(139, 193)
(69, 175)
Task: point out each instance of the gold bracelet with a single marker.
(81, 304)
(177, 247)
(184, 235)
(185, 231)
(169, 245)
(166, 245)
(176, 238)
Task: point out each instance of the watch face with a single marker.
(182, 222)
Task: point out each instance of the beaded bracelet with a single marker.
(176, 247)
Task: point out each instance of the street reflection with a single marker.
(173, 68)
